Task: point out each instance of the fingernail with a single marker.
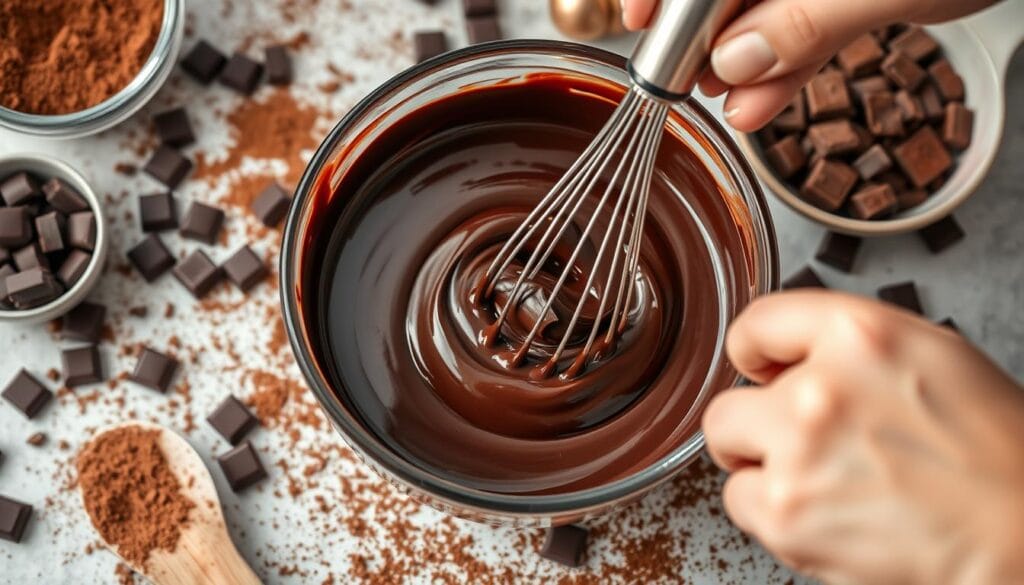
(731, 113)
(742, 59)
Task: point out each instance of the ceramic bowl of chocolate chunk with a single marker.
(53, 239)
(895, 132)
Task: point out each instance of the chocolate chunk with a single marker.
(279, 65)
(32, 288)
(271, 205)
(36, 439)
(245, 269)
(915, 43)
(884, 117)
(910, 199)
(15, 227)
(949, 84)
(895, 179)
(481, 29)
(903, 71)
(827, 96)
(923, 157)
(168, 166)
(931, 102)
(828, 184)
(957, 126)
(154, 370)
(81, 366)
(428, 44)
(5, 271)
(81, 228)
(479, 7)
(29, 257)
(874, 161)
(242, 467)
(794, 117)
(173, 127)
(834, 137)
(151, 257)
(862, 88)
(860, 57)
(805, 278)
(73, 267)
(910, 107)
(158, 212)
(232, 420)
(786, 157)
(203, 62)
(49, 230)
(26, 394)
(565, 545)
(84, 322)
(241, 74)
(903, 294)
(63, 197)
(202, 222)
(19, 189)
(941, 234)
(838, 251)
(873, 201)
(198, 274)
(14, 517)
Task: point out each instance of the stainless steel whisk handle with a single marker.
(670, 56)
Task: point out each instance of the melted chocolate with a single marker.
(399, 246)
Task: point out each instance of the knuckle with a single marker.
(815, 403)
(865, 332)
(806, 30)
(784, 502)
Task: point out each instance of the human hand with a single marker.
(771, 50)
(879, 448)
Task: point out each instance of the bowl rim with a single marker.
(950, 201)
(451, 494)
(90, 277)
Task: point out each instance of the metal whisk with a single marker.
(664, 68)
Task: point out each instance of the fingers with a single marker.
(738, 425)
(749, 107)
(636, 14)
(777, 37)
(744, 498)
(710, 85)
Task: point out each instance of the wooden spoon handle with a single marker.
(203, 557)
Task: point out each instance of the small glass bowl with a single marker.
(122, 104)
(496, 64)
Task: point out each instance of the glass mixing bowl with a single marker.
(739, 280)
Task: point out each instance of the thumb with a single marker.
(776, 37)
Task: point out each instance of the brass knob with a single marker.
(587, 20)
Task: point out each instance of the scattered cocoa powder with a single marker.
(37, 439)
(62, 57)
(131, 494)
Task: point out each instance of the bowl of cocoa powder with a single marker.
(69, 69)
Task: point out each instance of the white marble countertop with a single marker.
(342, 521)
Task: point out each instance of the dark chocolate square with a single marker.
(15, 227)
(941, 234)
(786, 156)
(232, 420)
(827, 96)
(27, 394)
(154, 370)
(947, 81)
(873, 201)
(923, 157)
(279, 65)
(203, 62)
(805, 278)
(245, 269)
(81, 366)
(794, 117)
(242, 466)
(73, 267)
(565, 545)
(151, 257)
(63, 197)
(202, 222)
(838, 251)
(19, 189)
(81, 230)
(429, 44)
(158, 212)
(914, 43)
(50, 231)
(14, 517)
(861, 56)
(29, 257)
(903, 71)
(872, 162)
(198, 273)
(828, 184)
(903, 294)
(241, 74)
(479, 7)
(168, 166)
(482, 29)
(173, 127)
(957, 126)
(32, 288)
(271, 205)
(84, 322)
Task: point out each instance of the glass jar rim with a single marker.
(363, 440)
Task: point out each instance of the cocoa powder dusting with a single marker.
(132, 496)
(62, 57)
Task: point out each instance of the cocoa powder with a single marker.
(131, 494)
(62, 57)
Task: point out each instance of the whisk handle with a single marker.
(670, 56)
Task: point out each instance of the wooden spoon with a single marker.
(204, 553)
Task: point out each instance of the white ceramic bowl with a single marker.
(979, 49)
(45, 167)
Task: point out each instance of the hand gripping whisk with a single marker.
(616, 167)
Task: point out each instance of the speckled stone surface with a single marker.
(322, 516)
